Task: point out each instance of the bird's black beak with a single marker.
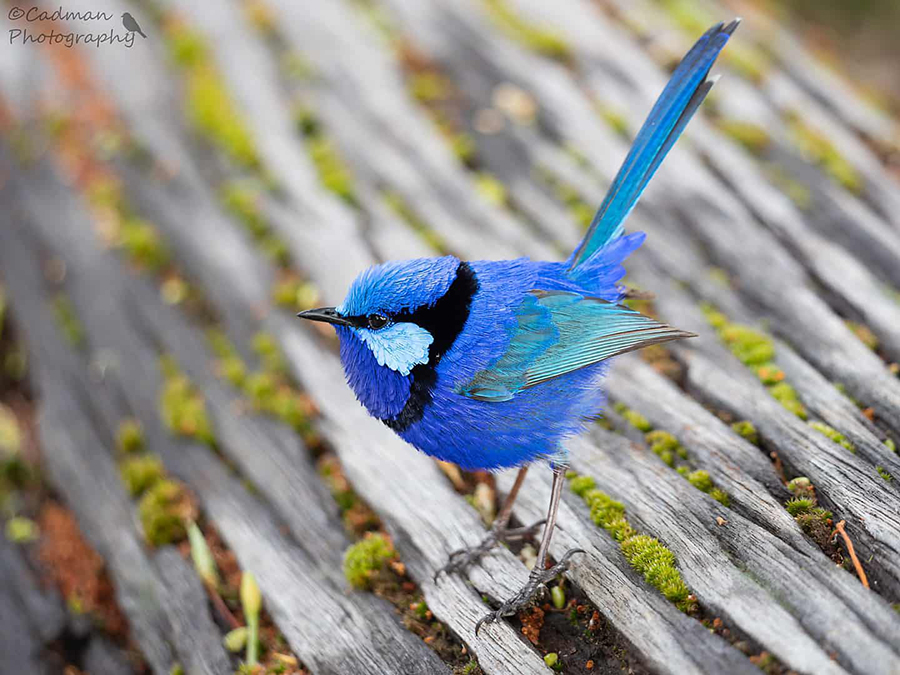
(326, 315)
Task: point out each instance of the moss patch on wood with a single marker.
(644, 553)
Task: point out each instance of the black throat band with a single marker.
(445, 320)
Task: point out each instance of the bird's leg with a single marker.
(539, 575)
(499, 532)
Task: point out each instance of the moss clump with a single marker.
(884, 473)
(889, 442)
(746, 430)
(365, 558)
(819, 149)
(143, 245)
(398, 205)
(242, 199)
(294, 293)
(701, 480)
(490, 188)
(140, 473)
(333, 172)
(864, 333)
(834, 435)
(756, 351)
(10, 433)
(752, 136)
(182, 406)
(533, 37)
(67, 320)
(129, 436)
(633, 417)
(21, 530)
(805, 509)
(209, 106)
(430, 86)
(615, 119)
(666, 446)
(644, 553)
(163, 510)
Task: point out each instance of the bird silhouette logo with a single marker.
(131, 25)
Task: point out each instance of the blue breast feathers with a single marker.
(557, 332)
(400, 347)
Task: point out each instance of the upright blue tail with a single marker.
(676, 105)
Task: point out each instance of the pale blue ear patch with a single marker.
(400, 346)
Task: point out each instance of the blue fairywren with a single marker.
(491, 364)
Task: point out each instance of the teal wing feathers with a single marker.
(557, 332)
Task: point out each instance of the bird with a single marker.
(492, 364)
(131, 24)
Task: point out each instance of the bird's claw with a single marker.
(463, 558)
(537, 581)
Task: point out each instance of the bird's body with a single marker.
(491, 364)
(479, 303)
(131, 24)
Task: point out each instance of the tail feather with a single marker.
(667, 120)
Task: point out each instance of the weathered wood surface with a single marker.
(796, 272)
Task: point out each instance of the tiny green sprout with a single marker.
(176, 669)
(891, 445)
(551, 659)
(799, 505)
(471, 668)
(366, 557)
(799, 485)
(251, 602)
(21, 530)
(202, 557)
(834, 435)
(884, 473)
(140, 472)
(558, 595)
(162, 511)
(746, 430)
(235, 640)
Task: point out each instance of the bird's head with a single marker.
(398, 317)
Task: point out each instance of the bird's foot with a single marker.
(463, 558)
(537, 582)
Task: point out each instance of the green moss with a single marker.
(67, 320)
(666, 446)
(398, 205)
(209, 106)
(700, 479)
(10, 432)
(818, 148)
(833, 434)
(333, 173)
(295, 293)
(429, 86)
(142, 244)
(752, 136)
(615, 119)
(141, 472)
(720, 496)
(756, 351)
(644, 553)
(365, 558)
(864, 333)
(746, 430)
(21, 530)
(182, 405)
(798, 505)
(534, 37)
(163, 510)
(490, 188)
(633, 417)
(884, 473)
(889, 442)
(266, 347)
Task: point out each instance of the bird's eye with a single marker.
(377, 321)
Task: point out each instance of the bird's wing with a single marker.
(558, 332)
